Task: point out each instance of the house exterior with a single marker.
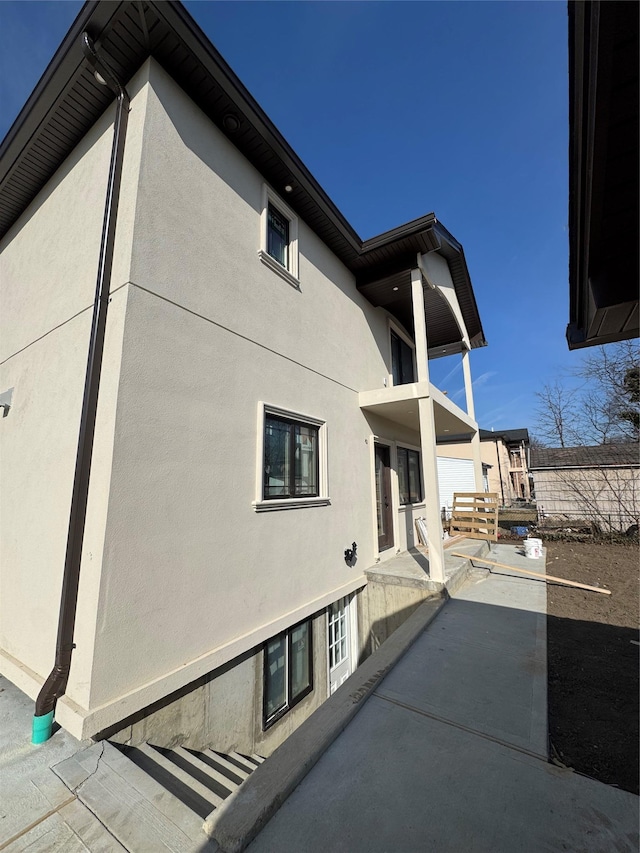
(600, 484)
(264, 399)
(505, 463)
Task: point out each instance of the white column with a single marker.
(428, 449)
(475, 441)
(419, 326)
(468, 385)
(477, 461)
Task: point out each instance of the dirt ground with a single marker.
(593, 661)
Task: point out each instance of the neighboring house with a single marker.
(504, 454)
(264, 397)
(604, 153)
(600, 484)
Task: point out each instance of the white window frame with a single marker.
(322, 499)
(400, 332)
(290, 272)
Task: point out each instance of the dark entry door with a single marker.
(383, 498)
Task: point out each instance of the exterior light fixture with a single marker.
(100, 78)
(231, 123)
(288, 188)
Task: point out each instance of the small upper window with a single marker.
(279, 237)
(409, 476)
(401, 361)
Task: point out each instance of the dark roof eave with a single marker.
(361, 257)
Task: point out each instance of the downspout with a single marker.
(56, 684)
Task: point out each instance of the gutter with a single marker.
(56, 683)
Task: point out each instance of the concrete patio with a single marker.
(437, 742)
(449, 753)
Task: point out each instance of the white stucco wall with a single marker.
(180, 574)
(48, 268)
(192, 575)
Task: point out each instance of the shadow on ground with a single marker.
(594, 699)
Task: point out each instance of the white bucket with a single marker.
(533, 548)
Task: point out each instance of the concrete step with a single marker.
(199, 780)
(242, 761)
(199, 766)
(178, 776)
(137, 811)
(227, 766)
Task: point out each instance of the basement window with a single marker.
(288, 671)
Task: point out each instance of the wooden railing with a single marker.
(475, 515)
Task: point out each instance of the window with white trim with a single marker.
(279, 237)
(292, 460)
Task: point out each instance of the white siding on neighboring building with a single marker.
(454, 475)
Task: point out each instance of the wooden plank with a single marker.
(472, 534)
(473, 520)
(422, 531)
(534, 574)
(486, 495)
(475, 514)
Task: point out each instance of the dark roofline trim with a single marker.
(393, 249)
(177, 17)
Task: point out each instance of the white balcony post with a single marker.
(468, 385)
(428, 449)
(475, 440)
(419, 326)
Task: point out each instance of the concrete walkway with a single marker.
(37, 811)
(449, 753)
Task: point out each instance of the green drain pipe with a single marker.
(41, 729)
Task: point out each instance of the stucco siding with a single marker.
(196, 244)
(48, 270)
(189, 564)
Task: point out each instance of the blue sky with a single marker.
(399, 109)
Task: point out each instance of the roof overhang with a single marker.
(68, 100)
(603, 172)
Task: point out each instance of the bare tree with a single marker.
(611, 394)
(556, 415)
(603, 409)
(607, 497)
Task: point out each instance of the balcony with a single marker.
(400, 405)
